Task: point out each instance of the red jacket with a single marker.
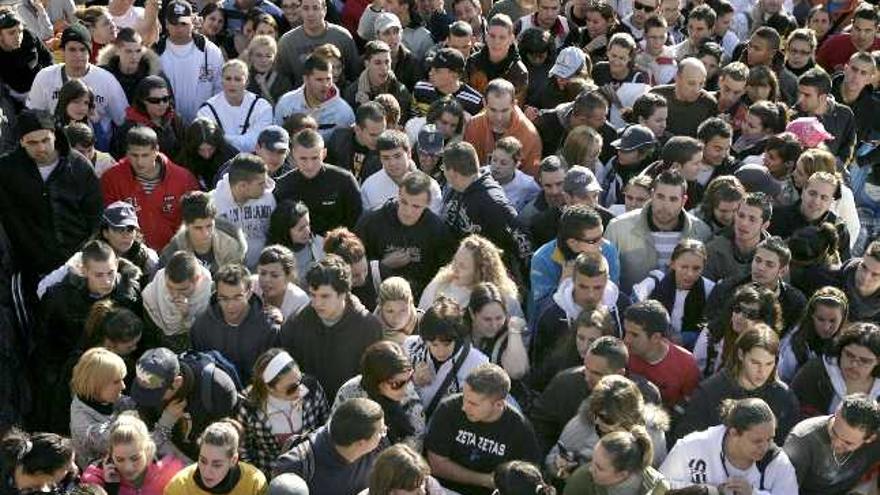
(158, 212)
(836, 51)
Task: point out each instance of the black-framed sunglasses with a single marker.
(751, 314)
(157, 100)
(128, 229)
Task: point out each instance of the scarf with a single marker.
(103, 408)
(264, 82)
(694, 302)
(163, 311)
(226, 486)
(364, 88)
(400, 425)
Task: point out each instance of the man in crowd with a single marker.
(551, 176)
(854, 88)
(860, 279)
(548, 17)
(498, 59)
(730, 253)
(731, 89)
(445, 73)
(474, 432)
(689, 104)
(657, 58)
(815, 100)
(838, 48)
(763, 49)
(22, 56)
(380, 78)
(394, 153)
(318, 96)
(700, 24)
(353, 148)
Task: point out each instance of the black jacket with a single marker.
(19, 67)
(791, 300)
(49, 221)
(788, 219)
(840, 122)
(344, 151)
(333, 196)
(428, 242)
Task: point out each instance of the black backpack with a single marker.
(204, 364)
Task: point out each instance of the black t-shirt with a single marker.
(479, 446)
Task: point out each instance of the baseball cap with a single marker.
(579, 181)
(634, 137)
(809, 131)
(155, 371)
(77, 32)
(179, 12)
(121, 214)
(430, 140)
(569, 61)
(274, 138)
(8, 19)
(448, 58)
(756, 178)
(386, 21)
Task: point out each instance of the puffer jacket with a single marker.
(150, 65)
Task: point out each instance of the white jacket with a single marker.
(379, 188)
(163, 311)
(194, 75)
(241, 125)
(252, 217)
(697, 459)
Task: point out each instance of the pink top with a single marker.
(158, 475)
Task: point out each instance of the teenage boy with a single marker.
(730, 252)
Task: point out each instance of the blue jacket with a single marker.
(547, 269)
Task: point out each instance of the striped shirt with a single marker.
(425, 93)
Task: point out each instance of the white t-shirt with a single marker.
(194, 75)
(110, 99)
(130, 19)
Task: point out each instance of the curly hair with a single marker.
(488, 265)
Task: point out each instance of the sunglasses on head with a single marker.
(156, 100)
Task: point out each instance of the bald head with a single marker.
(690, 79)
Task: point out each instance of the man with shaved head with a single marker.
(689, 103)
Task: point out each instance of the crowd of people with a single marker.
(610, 247)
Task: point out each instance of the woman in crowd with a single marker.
(477, 260)
(291, 226)
(214, 25)
(800, 51)
(239, 113)
(117, 329)
(619, 68)
(131, 466)
(441, 355)
(714, 348)
(761, 85)
(396, 310)
(101, 26)
(520, 478)
(819, 22)
(819, 160)
(275, 283)
(265, 81)
(36, 462)
(153, 106)
(825, 315)
(682, 289)
(614, 404)
(730, 452)
(650, 110)
(204, 150)
(400, 469)
(495, 332)
(849, 367)
(386, 377)
(76, 103)
(764, 119)
(582, 146)
(281, 402)
(348, 246)
(97, 385)
(219, 470)
(751, 373)
(815, 257)
(621, 465)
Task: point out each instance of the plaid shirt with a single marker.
(260, 447)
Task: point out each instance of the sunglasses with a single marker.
(399, 384)
(644, 8)
(128, 229)
(157, 100)
(293, 388)
(751, 314)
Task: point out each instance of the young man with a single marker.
(641, 12)
(76, 45)
(504, 166)
(473, 432)
(22, 56)
(589, 108)
(477, 203)
(302, 40)
(657, 58)
(769, 267)
(353, 148)
(588, 288)
(317, 96)
(814, 208)
(407, 67)
(499, 59)
(838, 48)
(214, 242)
(689, 104)
(178, 397)
(672, 368)
(176, 296)
(646, 237)
(129, 60)
(445, 72)
(151, 182)
(763, 49)
(338, 457)
(854, 89)
(394, 153)
(330, 192)
(730, 252)
(700, 24)
(832, 453)
(381, 79)
(731, 89)
(328, 337)
(191, 62)
(580, 187)
(860, 277)
(549, 18)
(235, 324)
(501, 118)
(634, 152)
(404, 237)
(551, 175)
(815, 100)
(717, 137)
(243, 197)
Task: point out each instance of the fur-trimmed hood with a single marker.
(109, 59)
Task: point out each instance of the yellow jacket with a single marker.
(252, 482)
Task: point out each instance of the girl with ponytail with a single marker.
(520, 478)
(621, 465)
(826, 314)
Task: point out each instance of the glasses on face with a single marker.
(293, 388)
(859, 361)
(128, 229)
(644, 8)
(399, 384)
(750, 313)
(157, 100)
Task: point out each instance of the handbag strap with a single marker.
(456, 366)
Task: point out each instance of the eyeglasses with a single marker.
(157, 100)
(399, 384)
(751, 314)
(644, 8)
(128, 229)
(859, 361)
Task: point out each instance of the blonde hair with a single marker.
(581, 142)
(394, 289)
(224, 434)
(488, 265)
(237, 64)
(260, 41)
(817, 160)
(129, 429)
(95, 369)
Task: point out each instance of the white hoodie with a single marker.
(697, 460)
(564, 298)
(252, 217)
(163, 311)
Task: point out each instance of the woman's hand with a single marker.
(596, 43)
(422, 375)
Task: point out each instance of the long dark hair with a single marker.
(72, 90)
(806, 339)
(38, 453)
(287, 214)
(142, 91)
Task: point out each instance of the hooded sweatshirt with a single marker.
(252, 216)
(331, 114)
(165, 314)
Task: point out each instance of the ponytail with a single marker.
(630, 451)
